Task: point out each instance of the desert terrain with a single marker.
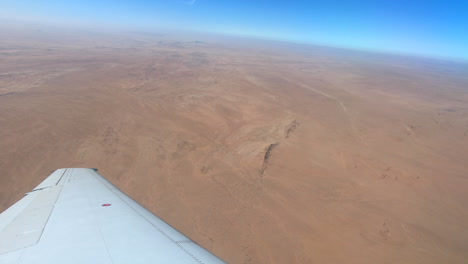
(262, 152)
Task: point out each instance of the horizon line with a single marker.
(101, 27)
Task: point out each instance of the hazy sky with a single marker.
(428, 27)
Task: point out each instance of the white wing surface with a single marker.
(77, 216)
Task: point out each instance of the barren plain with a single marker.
(262, 152)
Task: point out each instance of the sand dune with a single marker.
(261, 152)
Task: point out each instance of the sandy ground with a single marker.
(261, 152)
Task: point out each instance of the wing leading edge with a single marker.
(65, 220)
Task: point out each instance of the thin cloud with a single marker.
(191, 2)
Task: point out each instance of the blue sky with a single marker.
(422, 27)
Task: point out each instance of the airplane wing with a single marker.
(77, 216)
